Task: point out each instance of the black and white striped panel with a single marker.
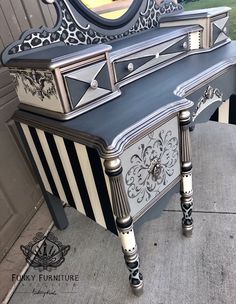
(74, 173)
(226, 113)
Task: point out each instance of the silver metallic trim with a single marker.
(88, 53)
(61, 93)
(120, 141)
(73, 113)
(188, 87)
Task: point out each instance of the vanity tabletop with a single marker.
(147, 99)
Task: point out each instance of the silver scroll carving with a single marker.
(210, 96)
(151, 166)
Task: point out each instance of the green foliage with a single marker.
(213, 3)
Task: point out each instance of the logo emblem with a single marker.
(45, 252)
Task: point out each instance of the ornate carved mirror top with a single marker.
(77, 24)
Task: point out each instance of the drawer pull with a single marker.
(130, 67)
(94, 84)
(155, 168)
(185, 45)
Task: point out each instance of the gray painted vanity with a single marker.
(106, 108)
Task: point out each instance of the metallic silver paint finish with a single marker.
(186, 181)
(124, 222)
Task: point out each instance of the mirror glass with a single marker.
(109, 9)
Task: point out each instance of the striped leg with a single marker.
(186, 172)
(124, 224)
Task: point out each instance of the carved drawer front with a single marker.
(206, 101)
(219, 30)
(138, 62)
(87, 83)
(151, 166)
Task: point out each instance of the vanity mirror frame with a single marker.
(75, 27)
(106, 23)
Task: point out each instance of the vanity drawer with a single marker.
(137, 62)
(151, 166)
(86, 84)
(219, 29)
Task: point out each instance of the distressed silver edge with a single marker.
(156, 199)
(74, 113)
(86, 54)
(120, 141)
(152, 42)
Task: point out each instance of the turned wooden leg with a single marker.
(124, 223)
(186, 174)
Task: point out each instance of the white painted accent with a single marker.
(36, 157)
(86, 74)
(51, 164)
(153, 62)
(221, 22)
(52, 103)
(194, 39)
(221, 37)
(92, 94)
(128, 240)
(187, 185)
(90, 183)
(224, 112)
(69, 173)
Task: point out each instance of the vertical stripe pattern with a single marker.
(74, 173)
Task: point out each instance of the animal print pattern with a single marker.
(135, 277)
(72, 33)
(187, 208)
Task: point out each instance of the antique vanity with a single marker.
(106, 107)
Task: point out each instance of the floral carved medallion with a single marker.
(152, 165)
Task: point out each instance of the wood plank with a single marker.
(33, 13)
(11, 18)
(5, 32)
(53, 13)
(46, 14)
(5, 77)
(1, 47)
(7, 90)
(20, 15)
